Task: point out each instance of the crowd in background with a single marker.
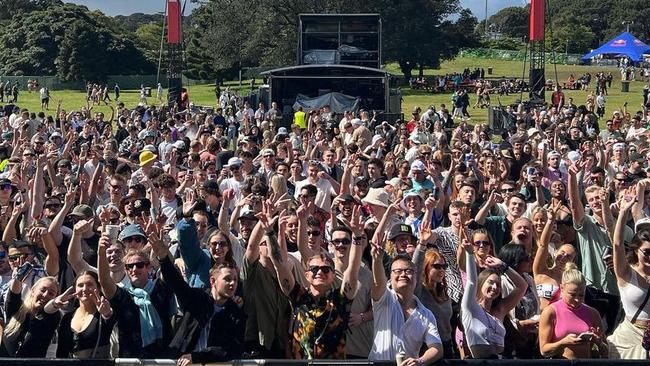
(208, 236)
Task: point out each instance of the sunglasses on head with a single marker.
(344, 241)
(440, 266)
(325, 269)
(138, 265)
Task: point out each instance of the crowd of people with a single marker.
(210, 236)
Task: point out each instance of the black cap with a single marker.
(400, 229)
(346, 197)
(141, 205)
(248, 215)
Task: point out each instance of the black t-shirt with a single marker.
(96, 334)
(34, 335)
(219, 120)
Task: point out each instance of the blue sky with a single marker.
(126, 7)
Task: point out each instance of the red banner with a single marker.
(173, 22)
(536, 20)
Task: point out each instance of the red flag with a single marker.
(173, 22)
(536, 20)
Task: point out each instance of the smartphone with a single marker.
(531, 170)
(469, 157)
(435, 192)
(23, 271)
(586, 336)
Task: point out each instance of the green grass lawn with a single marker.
(204, 94)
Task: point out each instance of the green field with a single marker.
(204, 94)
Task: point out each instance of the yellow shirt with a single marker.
(299, 119)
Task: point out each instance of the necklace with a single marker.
(492, 326)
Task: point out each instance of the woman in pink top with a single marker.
(568, 328)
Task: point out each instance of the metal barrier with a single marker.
(274, 362)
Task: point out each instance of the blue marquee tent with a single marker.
(624, 44)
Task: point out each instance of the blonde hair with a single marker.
(278, 185)
(27, 307)
(573, 275)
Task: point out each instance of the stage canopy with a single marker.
(625, 44)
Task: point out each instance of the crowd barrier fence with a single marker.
(275, 362)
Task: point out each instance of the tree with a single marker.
(69, 41)
(511, 21)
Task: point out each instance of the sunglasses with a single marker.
(507, 190)
(313, 233)
(16, 257)
(345, 241)
(134, 238)
(219, 244)
(645, 252)
(400, 271)
(440, 266)
(481, 243)
(325, 269)
(116, 186)
(267, 156)
(53, 206)
(138, 265)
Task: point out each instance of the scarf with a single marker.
(150, 323)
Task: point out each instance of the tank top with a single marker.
(632, 295)
(569, 320)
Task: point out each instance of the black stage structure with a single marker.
(336, 53)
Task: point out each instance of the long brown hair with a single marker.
(437, 290)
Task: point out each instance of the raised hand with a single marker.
(102, 305)
(467, 246)
(64, 299)
(83, 226)
(493, 262)
(189, 203)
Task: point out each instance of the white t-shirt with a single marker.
(232, 183)
(324, 195)
(394, 334)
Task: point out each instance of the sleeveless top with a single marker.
(632, 295)
(569, 320)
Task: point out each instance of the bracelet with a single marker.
(362, 237)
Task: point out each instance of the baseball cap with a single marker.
(131, 231)
(400, 229)
(417, 165)
(141, 205)
(82, 211)
(234, 161)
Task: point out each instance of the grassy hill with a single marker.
(204, 94)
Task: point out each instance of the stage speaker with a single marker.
(175, 90)
(537, 83)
